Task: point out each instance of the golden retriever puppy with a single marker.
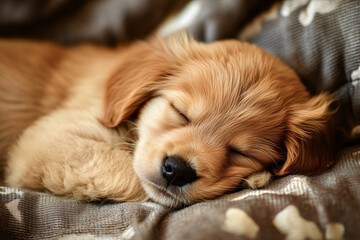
(173, 120)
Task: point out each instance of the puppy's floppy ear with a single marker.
(309, 142)
(140, 75)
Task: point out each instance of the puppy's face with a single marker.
(218, 114)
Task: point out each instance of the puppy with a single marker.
(173, 120)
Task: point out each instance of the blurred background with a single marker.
(116, 21)
(319, 39)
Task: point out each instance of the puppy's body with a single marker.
(51, 103)
(224, 110)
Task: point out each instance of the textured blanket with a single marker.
(295, 207)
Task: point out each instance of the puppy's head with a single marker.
(210, 115)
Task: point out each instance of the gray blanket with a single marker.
(297, 207)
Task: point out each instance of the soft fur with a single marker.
(96, 123)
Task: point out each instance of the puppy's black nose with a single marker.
(177, 172)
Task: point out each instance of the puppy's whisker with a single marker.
(265, 152)
(129, 122)
(254, 164)
(124, 146)
(125, 139)
(134, 128)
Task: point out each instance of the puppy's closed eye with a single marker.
(180, 112)
(235, 151)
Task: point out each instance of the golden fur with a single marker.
(95, 123)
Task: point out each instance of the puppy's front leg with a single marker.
(70, 153)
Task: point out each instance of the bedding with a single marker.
(320, 39)
(294, 207)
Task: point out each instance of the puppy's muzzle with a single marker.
(177, 171)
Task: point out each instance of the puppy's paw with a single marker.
(257, 180)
